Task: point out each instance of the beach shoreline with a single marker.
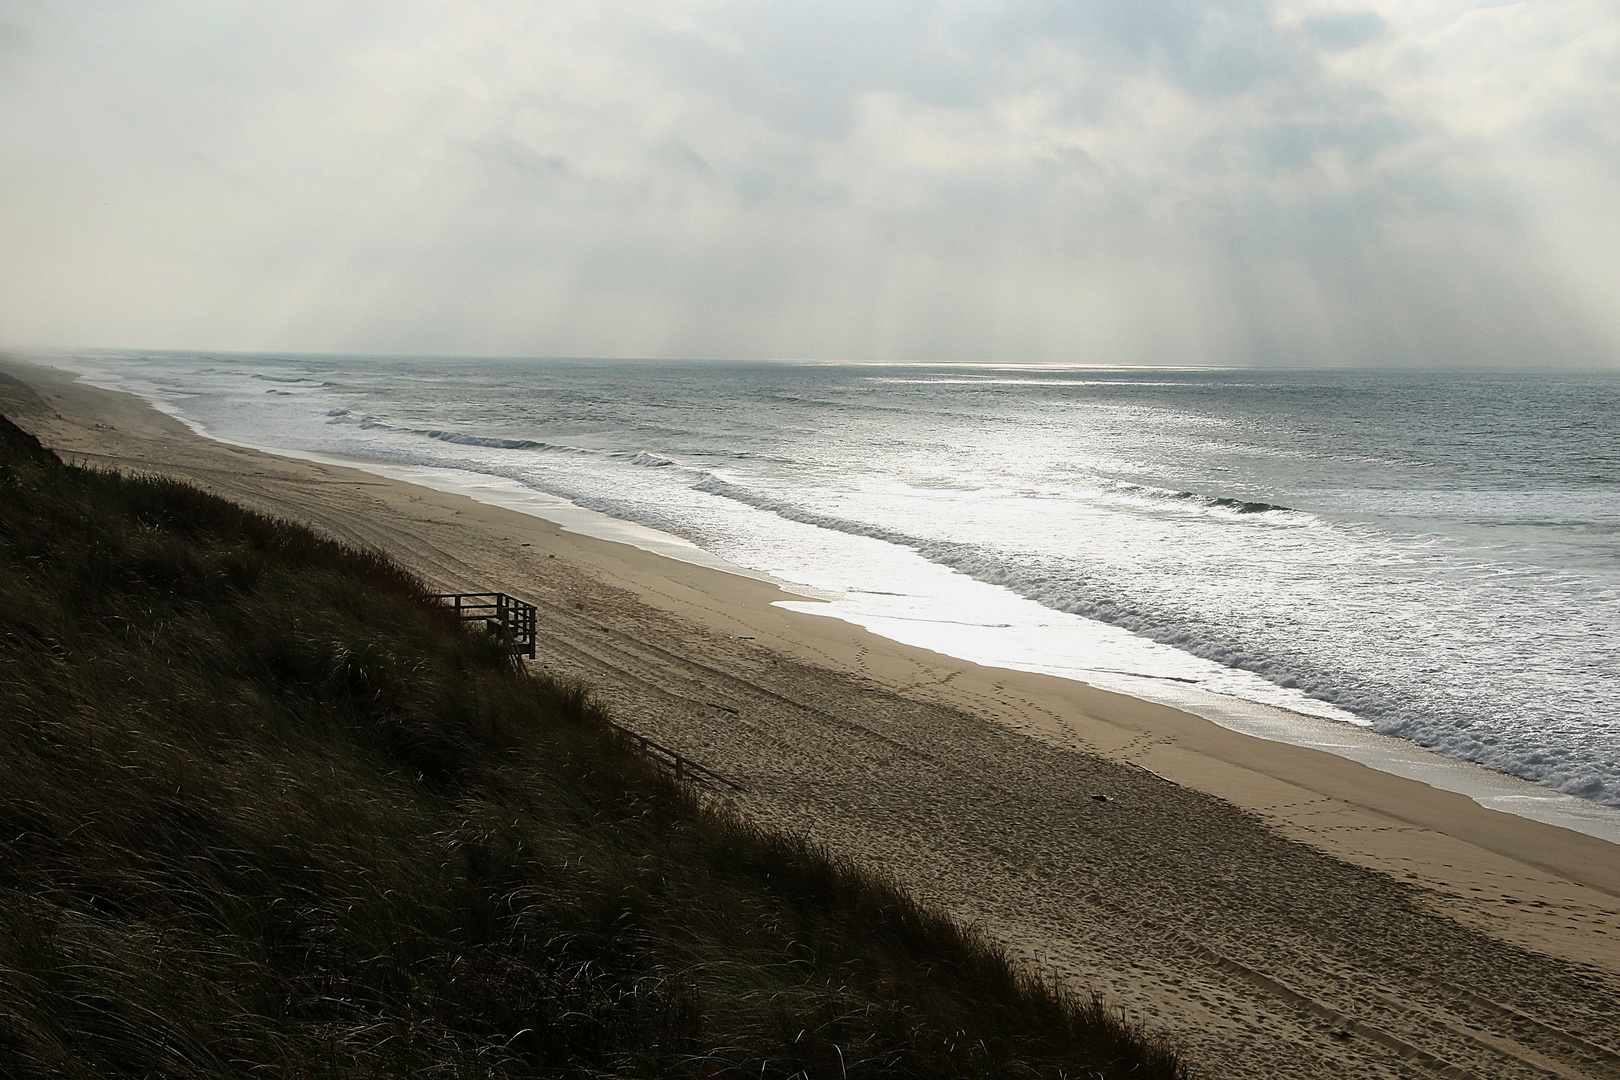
(1303, 721)
(695, 654)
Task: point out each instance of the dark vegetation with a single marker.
(265, 809)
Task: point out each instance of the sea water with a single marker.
(1429, 555)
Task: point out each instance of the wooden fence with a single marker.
(511, 621)
(515, 624)
(684, 767)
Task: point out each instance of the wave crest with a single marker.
(1148, 493)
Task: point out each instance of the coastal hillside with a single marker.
(266, 809)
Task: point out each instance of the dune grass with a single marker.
(267, 810)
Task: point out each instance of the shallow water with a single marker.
(1433, 556)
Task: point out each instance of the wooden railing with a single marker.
(511, 621)
(684, 767)
(515, 624)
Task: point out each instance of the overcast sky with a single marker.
(1135, 181)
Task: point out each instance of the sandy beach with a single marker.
(1279, 911)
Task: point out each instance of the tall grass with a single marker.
(265, 809)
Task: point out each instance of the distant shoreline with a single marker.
(668, 640)
(1330, 731)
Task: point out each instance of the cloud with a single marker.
(1254, 181)
(1345, 29)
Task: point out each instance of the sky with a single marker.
(1248, 182)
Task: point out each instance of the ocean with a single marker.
(1433, 556)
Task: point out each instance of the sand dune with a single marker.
(1282, 912)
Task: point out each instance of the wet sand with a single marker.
(1278, 910)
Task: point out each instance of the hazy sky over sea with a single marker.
(1170, 181)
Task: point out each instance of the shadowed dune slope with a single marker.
(267, 809)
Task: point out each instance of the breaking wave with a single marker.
(1147, 493)
(1063, 586)
(461, 439)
